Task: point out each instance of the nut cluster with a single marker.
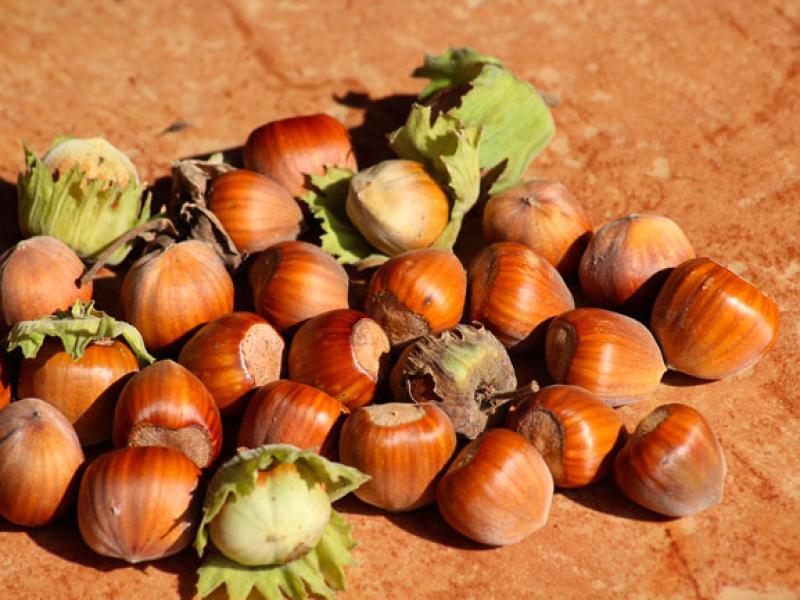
(414, 386)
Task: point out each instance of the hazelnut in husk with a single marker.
(465, 371)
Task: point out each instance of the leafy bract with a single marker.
(87, 214)
(454, 67)
(476, 90)
(320, 571)
(451, 152)
(327, 199)
(77, 327)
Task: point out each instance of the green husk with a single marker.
(87, 214)
(320, 571)
(326, 199)
(78, 327)
(451, 152)
(514, 122)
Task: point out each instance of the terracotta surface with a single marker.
(688, 109)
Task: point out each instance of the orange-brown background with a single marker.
(690, 109)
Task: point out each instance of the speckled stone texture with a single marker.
(689, 109)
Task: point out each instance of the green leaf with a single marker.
(454, 67)
(320, 572)
(86, 214)
(238, 476)
(81, 325)
(514, 121)
(340, 238)
(449, 150)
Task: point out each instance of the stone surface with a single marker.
(688, 109)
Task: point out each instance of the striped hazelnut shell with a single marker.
(294, 281)
(165, 404)
(402, 447)
(167, 294)
(673, 463)
(287, 412)
(287, 150)
(576, 433)
(233, 355)
(544, 216)
(84, 390)
(255, 211)
(514, 292)
(342, 352)
(711, 323)
(39, 276)
(609, 354)
(498, 490)
(417, 293)
(627, 261)
(139, 504)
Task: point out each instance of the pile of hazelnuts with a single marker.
(408, 377)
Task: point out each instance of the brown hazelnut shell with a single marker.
(294, 281)
(287, 150)
(497, 490)
(627, 261)
(402, 447)
(544, 216)
(576, 433)
(287, 412)
(711, 323)
(255, 211)
(417, 293)
(233, 355)
(342, 352)
(168, 293)
(514, 292)
(165, 404)
(139, 504)
(40, 456)
(39, 276)
(84, 390)
(673, 463)
(609, 354)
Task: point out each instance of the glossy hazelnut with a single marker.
(39, 276)
(673, 463)
(576, 433)
(288, 150)
(166, 405)
(287, 412)
(402, 447)
(294, 281)
(544, 216)
(233, 355)
(711, 323)
(168, 293)
(39, 460)
(417, 293)
(514, 293)
(609, 354)
(255, 211)
(627, 261)
(83, 390)
(342, 352)
(498, 489)
(139, 504)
